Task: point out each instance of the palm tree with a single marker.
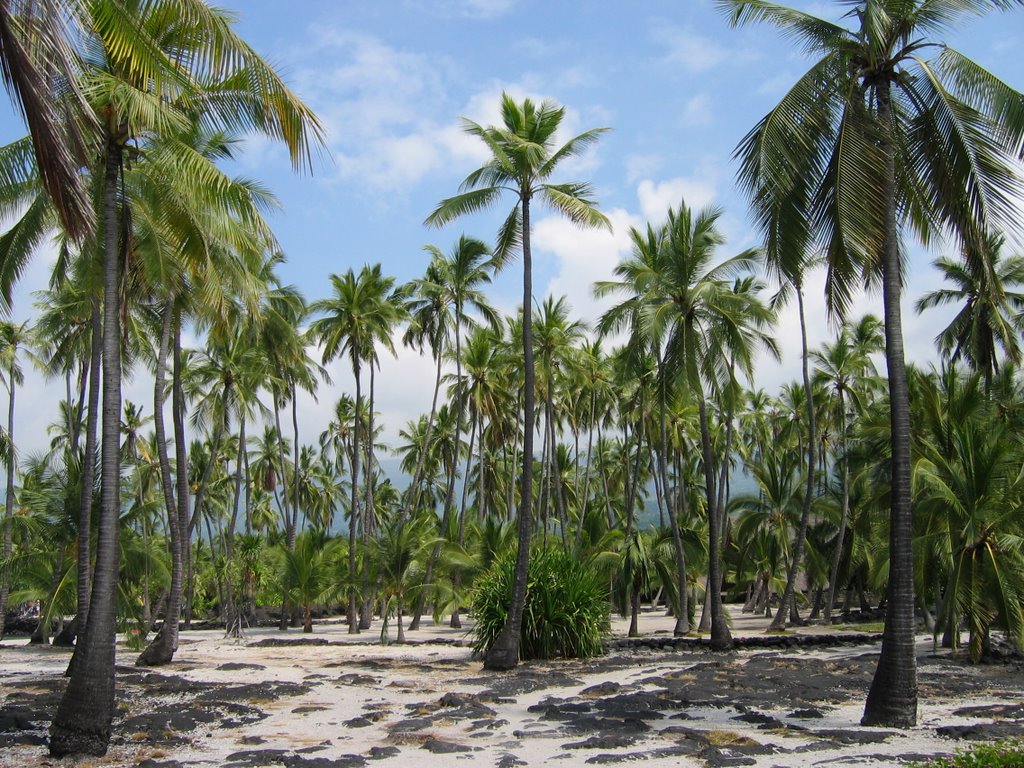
(688, 305)
(40, 65)
(398, 553)
(355, 318)
(968, 484)
(766, 521)
(523, 159)
(844, 368)
(11, 338)
(873, 137)
(154, 64)
(309, 573)
(983, 283)
(555, 338)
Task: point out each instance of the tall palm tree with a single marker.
(990, 316)
(689, 307)
(872, 140)
(523, 159)
(555, 337)
(354, 319)
(152, 65)
(843, 368)
(11, 338)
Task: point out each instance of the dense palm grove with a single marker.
(634, 456)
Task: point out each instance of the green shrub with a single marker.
(566, 612)
(1003, 754)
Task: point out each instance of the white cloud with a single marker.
(690, 50)
(697, 111)
(584, 257)
(642, 166)
(657, 197)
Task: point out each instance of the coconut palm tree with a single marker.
(555, 337)
(523, 159)
(40, 65)
(11, 338)
(843, 367)
(990, 317)
(152, 66)
(968, 484)
(354, 320)
(309, 573)
(871, 141)
(690, 306)
(399, 552)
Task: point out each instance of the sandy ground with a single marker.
(350, 701)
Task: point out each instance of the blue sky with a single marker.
(390, 80)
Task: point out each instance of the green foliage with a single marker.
(566, 613)
(1002, 754)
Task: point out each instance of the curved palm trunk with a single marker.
(892, 699)
(161, 649)
(82, 723)
(504, 652)
(789, 594)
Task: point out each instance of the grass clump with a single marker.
(566, 612)
(1002, 754)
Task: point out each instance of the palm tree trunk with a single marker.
(369, 512)
(844, 514)
(185, 525)
(584, 500)
(504, 652)
(892, 699)
(232, 616)
(204, 482)
(284, 502)
(161, 649)
(78, 412)
(554, 476)
(609, 512)
(88, 473)
(82, 723)
(456, 622)
(248, 577)
(413, 498)
(9, 500)
(682, 626)
(789, 594)
(353, 520)
(721, 637)
(481, 490)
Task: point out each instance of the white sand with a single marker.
(401, 680)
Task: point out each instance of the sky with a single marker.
(390, 81)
